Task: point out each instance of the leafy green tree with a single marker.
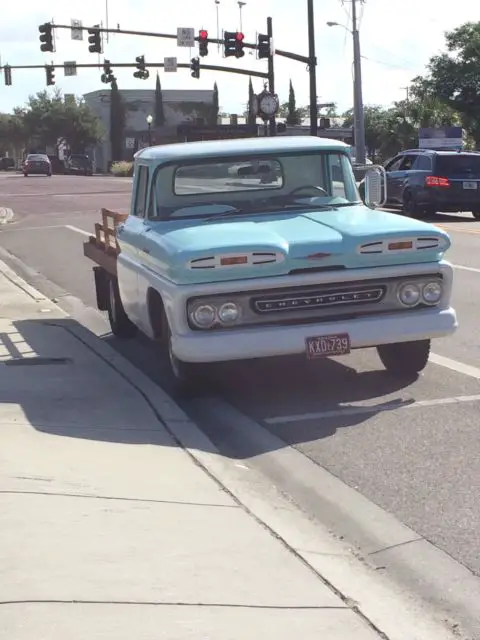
(45, 118)
(117, 122)
(453, 76)
(159, 118)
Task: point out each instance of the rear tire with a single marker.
(122, 327)
(476, 214)
(405, 358)
(410, 207)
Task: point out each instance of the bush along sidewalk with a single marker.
(122, 169)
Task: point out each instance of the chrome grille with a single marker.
(320, 298)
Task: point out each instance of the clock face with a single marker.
(268, 104)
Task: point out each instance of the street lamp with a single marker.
(149, 119)
(359, 116)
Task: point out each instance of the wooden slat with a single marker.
(103, 248)
(103, 258)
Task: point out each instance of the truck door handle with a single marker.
(145, 250)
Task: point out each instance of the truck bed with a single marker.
(103, 247)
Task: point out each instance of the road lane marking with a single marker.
(352, 410)
(17, 229)
(462, 268)
(454, 365)
(448, 228)
(77, 230)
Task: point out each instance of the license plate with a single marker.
(324, 346)
(469, 185)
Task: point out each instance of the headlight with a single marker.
(229, 313)
(432, 292)
(204, 316)
(409, 294)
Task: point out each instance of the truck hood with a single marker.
(278, 244)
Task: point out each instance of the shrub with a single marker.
(122, 169)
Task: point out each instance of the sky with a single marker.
(397, 40)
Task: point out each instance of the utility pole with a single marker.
(312, 70)
(359, 115)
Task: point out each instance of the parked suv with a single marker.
(423, 181)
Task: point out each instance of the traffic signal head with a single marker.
(142, 72)
(195, 68)
(107, 75)
(239, 44)
(50, 73)
(229, 43)
(263, 46)
(94, 38)
(46, 37)
(7, 71)
(203, 42)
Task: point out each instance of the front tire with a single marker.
(405, 358)
(122, 327)
(187, 378)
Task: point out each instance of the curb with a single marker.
(412, 600)
(6, 215)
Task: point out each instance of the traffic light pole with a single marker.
(312, 70)
(271, 76)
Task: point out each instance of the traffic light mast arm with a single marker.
(154, 65)
(279, 52)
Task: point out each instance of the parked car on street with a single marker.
(7, 163)
(423, 181)
(37, 163)
(79, 164)
(224, 264)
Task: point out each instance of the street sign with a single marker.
(77, 33)
(185, 37)
(70, 68)
(170, 64)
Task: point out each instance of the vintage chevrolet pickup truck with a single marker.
(254, 248)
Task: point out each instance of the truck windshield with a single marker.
(256, 184)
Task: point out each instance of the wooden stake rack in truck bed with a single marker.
(103, 247)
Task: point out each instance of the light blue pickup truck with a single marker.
(255, 248)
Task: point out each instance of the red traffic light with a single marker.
(203, 35)
(239, 36)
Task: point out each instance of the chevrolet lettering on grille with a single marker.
(314, 301)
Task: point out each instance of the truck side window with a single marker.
(140, 206)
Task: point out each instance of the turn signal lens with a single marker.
(231, 260)
(396, 246)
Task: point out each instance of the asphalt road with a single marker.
(415, 452)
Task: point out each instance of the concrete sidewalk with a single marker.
(108, 529)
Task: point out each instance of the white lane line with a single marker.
(351, 410)
(77, 230)
(12, 229)
(454, 365)
(458, 266)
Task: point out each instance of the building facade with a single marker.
(179, 107)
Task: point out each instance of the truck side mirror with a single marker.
(375, 186)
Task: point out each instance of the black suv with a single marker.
(423, 181)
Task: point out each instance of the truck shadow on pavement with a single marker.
(66, 386)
